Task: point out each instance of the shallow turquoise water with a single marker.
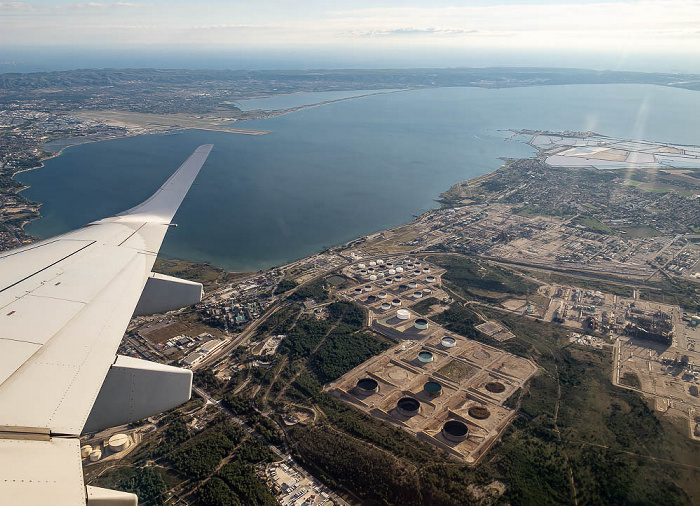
(328, 174)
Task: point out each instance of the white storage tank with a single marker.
(95, 455)
(118, 443)
(403, 314)
(85, 451)
(448, 342)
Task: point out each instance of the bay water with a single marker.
(328, 174)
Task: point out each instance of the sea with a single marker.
(328, 174)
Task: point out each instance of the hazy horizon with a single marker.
(638, 35)
(60, 59)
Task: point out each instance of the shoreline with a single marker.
(164, 130)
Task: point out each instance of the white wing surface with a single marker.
(64, 306)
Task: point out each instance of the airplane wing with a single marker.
(65, 303)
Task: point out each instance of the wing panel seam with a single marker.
(47, 267)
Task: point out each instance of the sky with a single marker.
(602, 33)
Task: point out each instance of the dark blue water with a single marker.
(328, 174)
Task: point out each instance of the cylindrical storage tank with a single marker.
(398, 278)
(382, 295)
(432, 388)
(417, 264)
(371, 270)
(425, 269)
(417, 271)
(368, 288)
(417, 295)
(403, 287)
(448, 342)
(479, 412)
(361, 266)
(412, 284)
(380, 275)
(389, 264)
(95, 455)
(399, 269)
(386, 306)
(372, 263)
(403, 314)
(421, 323)
(455, 431)
(407, 406)
(380, 262)
(430, 279)
(367, 386)
(388, 281)
(85, 451)
(410, 266)
(392, 272)
(372, 298)
(373, 278)
(358, 290)
(427, 291)
(396, 302)
(495, 387)
(118, 443)
(363, 272)
(425, 357)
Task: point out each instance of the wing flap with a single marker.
(13, 354)
(38, 473)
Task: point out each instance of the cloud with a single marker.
(226, 27)
(409, 32)
(100, 5)
(17, 6)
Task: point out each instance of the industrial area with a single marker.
(445, 389)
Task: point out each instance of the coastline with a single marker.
(162, 129)
(42, 165)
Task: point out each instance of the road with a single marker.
(242, 338)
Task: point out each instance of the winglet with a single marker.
(164, 203)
